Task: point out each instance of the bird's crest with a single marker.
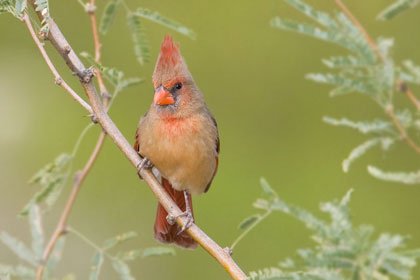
(170, 63)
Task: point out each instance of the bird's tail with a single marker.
(166, 233)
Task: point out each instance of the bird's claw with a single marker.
(144, 163)
(188, 223)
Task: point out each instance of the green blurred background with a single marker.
(270, 125)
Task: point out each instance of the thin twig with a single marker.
(374, 46)
(401, 86)
(246, 231)
(58, 80)
(73, 62)
(402, 131)
(61, 226)
(370, 41)
(104, 92)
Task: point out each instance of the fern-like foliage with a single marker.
(141, 46)
(342, 251)
(43, 7)
(396, 8)
(108, 16)
(14, 7)
(367, 69)
(136, 26)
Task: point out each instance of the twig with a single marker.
(401, 86)
(374, 46)
(61, 226)
(104, 92)
(245, 232)
(370, 41)
(73, 62)
(402, 131)
(58, 80)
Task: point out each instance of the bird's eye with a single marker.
(178, 86)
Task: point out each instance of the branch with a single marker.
(104, 92)
(85, 76)
(401, 85)
(62, 223)
(374, 46)
(61, 227)
(58, 80)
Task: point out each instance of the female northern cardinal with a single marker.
(179, 136)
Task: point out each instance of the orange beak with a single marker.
(163, 97)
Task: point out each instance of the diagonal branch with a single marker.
(401, 86)
(85, 76)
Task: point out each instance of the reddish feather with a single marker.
(169, 52)
(167, 233)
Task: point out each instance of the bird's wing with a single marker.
(217, 152)
(137, 140)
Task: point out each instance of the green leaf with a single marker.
(108, 16)
(345, 84)
(412, 253)
(129, 255)
(20, 6)
(6, 7)
(141, 46)
(344, 61)
(396, 8)
(113, 75)
(262, 204)
(414, 72)
(306, 217)
(376, 126)
(123, 270)
(409, 178)
(55, 256)
(302, 28)
(358, 152)
(320, 17)
(18, 248)
(158, 251)
(129, 82)
(23, 272)
(247, 222)
(158, 18)
(43, 7)
(36, 231)
(108, 244)
(97, 262)
(266, 187)
(51, 178)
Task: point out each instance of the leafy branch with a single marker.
(342, 251)
(368, 69)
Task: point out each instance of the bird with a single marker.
(179, 137)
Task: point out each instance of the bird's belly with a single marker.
(184, 157)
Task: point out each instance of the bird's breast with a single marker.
(182, 149)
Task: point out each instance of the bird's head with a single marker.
(175, 90)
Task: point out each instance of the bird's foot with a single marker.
(188, 223)
(144, 163)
